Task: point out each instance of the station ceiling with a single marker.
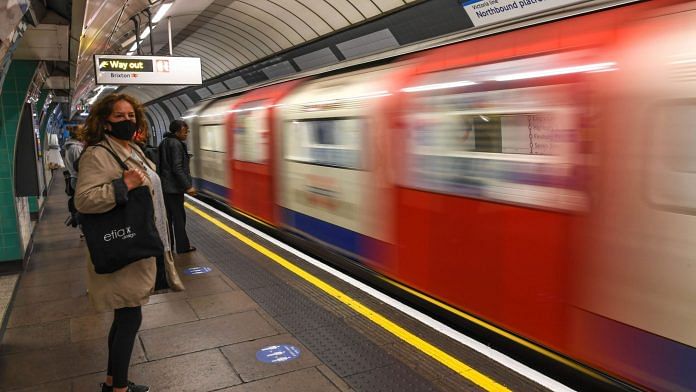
(225, 34)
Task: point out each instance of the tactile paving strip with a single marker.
(397, 373)
(344, 350)
(363, 364)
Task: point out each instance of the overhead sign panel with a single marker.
(485, 12)
(115, 69)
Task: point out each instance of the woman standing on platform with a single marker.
(102, 185)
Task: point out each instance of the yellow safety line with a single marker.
(439, 355)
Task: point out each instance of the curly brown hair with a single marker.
(95, 125)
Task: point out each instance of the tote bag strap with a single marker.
(113, 154)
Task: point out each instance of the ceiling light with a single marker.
(686, 61)
(145, 33)
(161, 12)
(438, 86)
(128, 41)
(555, 72)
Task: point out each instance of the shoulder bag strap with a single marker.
(113, 154)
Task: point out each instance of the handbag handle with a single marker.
(113, 154)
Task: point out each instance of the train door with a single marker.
(252, 133)
(334, 161)
(210, 153)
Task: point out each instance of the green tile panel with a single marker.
(13, 92)
(10, 253)
(7, 210)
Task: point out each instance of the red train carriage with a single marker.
(251, 137)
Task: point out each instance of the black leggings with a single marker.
(121, 340)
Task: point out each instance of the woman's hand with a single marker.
(133, 178)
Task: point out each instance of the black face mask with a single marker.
(123, 130)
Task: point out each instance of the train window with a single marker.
(512, 146)
(529, 133)
(525, 133)
(673, 167)
(330, 142)
(212, 138)
(251, 135)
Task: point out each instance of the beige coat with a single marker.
(132, 285)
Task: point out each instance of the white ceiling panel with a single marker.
(329, 14)
(241, 53)
(366, 7)
(218, 51)
(389, 4)
(272, 25)
(239, 26)
(346, 9)
(225, 34)
(237, 39)
(304, 24)
(313, 16)
(240, 37)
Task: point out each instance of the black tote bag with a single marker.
(125, 234)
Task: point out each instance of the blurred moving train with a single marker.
(541, 179)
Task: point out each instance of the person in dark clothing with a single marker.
(176, 180)
(142, 138)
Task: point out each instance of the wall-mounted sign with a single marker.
(118, 70)
(484, 12)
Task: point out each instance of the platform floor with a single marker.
(207, 338)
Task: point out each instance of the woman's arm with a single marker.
(97, 189)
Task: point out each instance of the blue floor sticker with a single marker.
(197, 270)
(279, 353)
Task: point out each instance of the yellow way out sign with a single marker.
(159, 70)
(129, 65)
